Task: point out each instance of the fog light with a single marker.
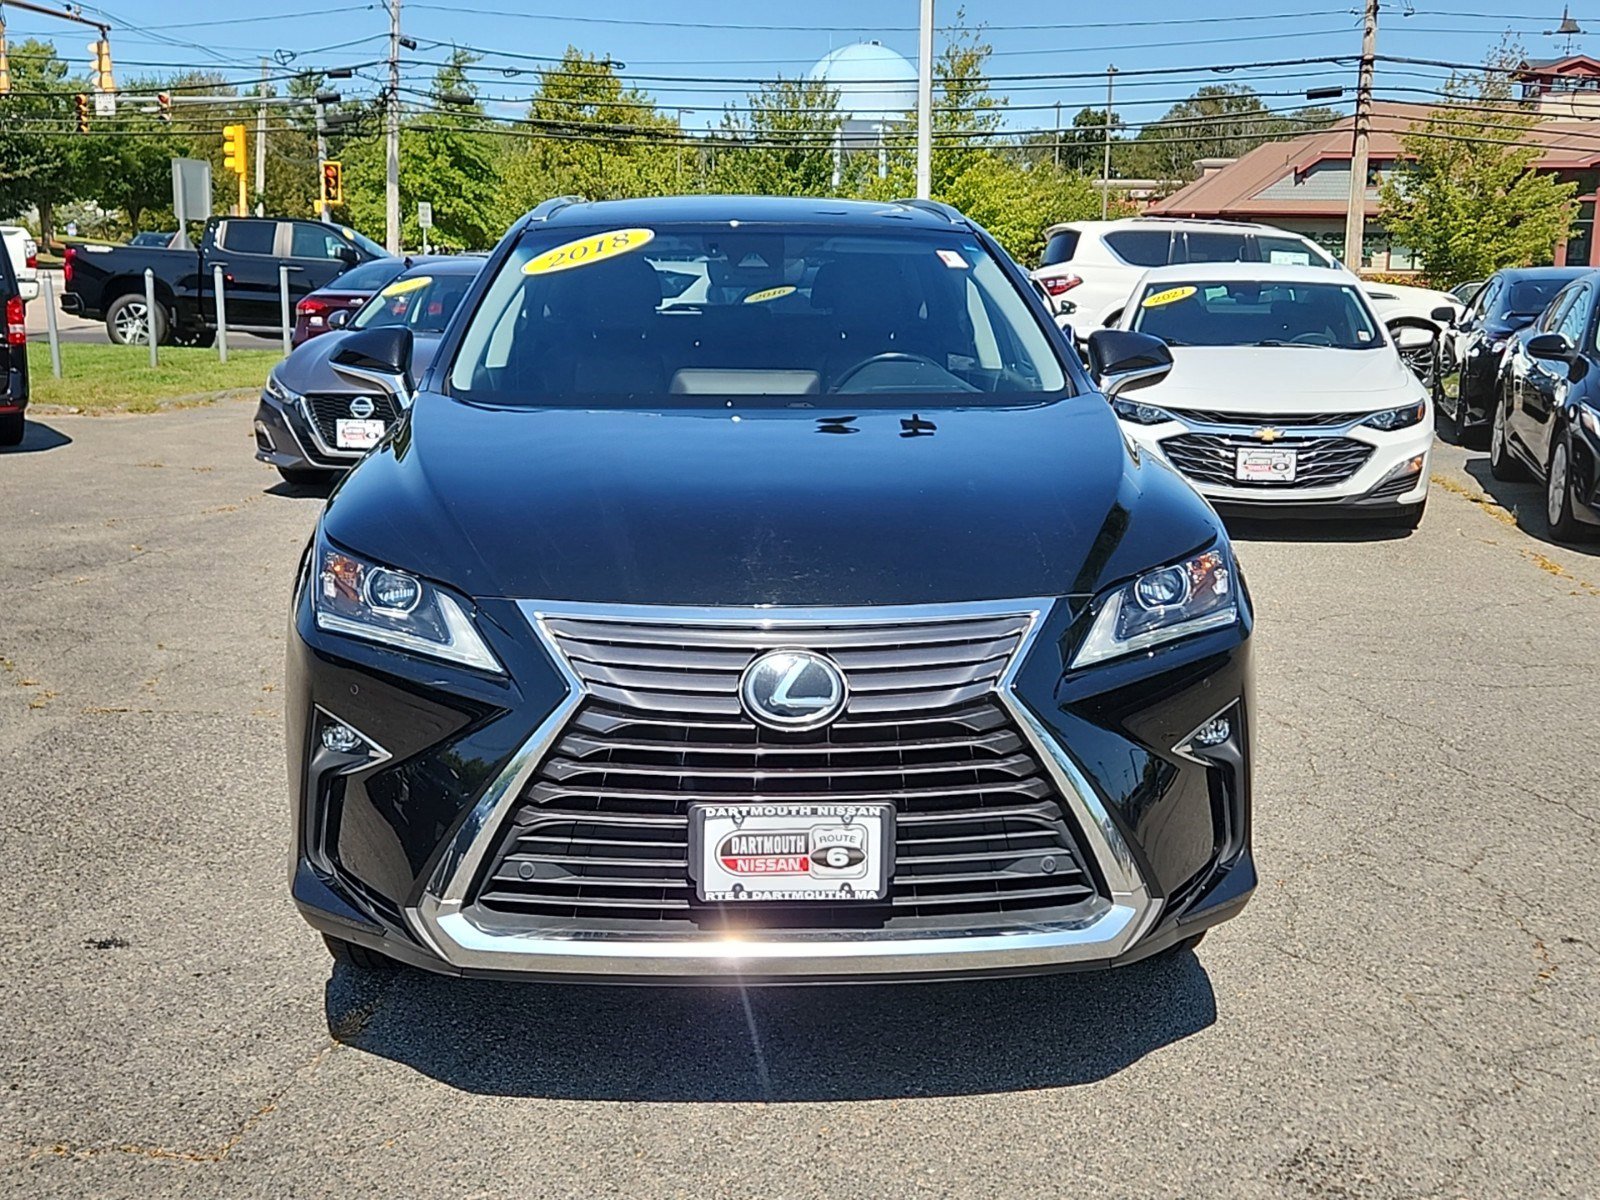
(1213, 733)
(341, 739)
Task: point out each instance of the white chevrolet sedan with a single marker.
(1287, 397)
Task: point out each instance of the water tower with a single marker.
(877, 91)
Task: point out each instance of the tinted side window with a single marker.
(1488, 295)
(1575, 317)
(1060, 248)
(249, 237)
(1552, 315)
(1216, 247)
(314, 241)
(1141, 247)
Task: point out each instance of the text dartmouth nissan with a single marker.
(758, 591)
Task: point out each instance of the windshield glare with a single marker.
(1528, 297)
(1256, 314)
(696, 312)
(422, 303)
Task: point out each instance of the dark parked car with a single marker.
(314, 423)
(107, 282)
(818, 624)
(1547, 420)
(349, 291)
(13, 357)
(1509, 301)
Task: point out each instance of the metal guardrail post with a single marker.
(150, 314)
(50, 323)
(222, 315)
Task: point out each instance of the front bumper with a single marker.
(286, 439)
(389, 845)
(1391, 479)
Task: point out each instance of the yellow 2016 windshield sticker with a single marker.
(597, 247)
(401, 286)
(765, 294)
(1170, 296)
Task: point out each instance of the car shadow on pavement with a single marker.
(1524, 501)
(299, 491)
(779, 1045)
(37, 437)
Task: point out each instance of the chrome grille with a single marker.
(326, 410)
(1211, 458)
(1209, 416)
(600, 833)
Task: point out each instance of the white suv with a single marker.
(24, 254)
(1090, 268)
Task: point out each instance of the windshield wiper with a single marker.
(1296, 345)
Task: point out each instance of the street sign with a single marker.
(191, 195)
(105, 104)
(424, 214)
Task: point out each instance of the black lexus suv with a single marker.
(759, 591)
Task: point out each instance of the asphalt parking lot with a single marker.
(1406, 1009)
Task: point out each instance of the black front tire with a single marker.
(12, 427)
(1503, 465)
(1564, 523)
(349, 954)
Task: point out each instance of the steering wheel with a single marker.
(888, 356)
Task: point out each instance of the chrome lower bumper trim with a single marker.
(442, 922)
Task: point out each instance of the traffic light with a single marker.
(332, 182)
(164, 107)
(83, 112)
(100, 66)
(233, 149)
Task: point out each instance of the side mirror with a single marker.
(1412, 337)
(1553, 346)
(348, 256)
(1445, 315)
(1124, 361)
(378, 358)
(339, 318)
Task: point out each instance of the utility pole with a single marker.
(1058, 134)
(261, 143)
(1105, 170)
(391, 187)
(322, 157)
(925, 104)
(1355, 221)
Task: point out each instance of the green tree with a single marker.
(1225, 120)
(1466, 197)
(802, 117)
(37, 168)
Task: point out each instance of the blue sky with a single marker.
(693, 40)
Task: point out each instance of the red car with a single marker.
(346, 293)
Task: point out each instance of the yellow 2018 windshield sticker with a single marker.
(401, 286)
(1170, 296)
(765, 294)
(597, 247)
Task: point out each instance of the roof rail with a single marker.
(546, 209)
(953, 215)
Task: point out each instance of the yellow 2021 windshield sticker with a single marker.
(401, 286)
(772, 293)
(586, 251)
(1170, 296)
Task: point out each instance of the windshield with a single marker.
(1528, 297)
(366, 243)
(693, 311)
(1256, 313)
(422, 303)
(369, 276)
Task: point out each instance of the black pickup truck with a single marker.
(105, 282)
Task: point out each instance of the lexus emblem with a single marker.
(1268, 434)
(361, 407)
(793, 689)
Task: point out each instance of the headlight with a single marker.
(1162, 606)
(379, 604)
(1140, 414)
(1589, 419)
(1397, 418)
(278, 391)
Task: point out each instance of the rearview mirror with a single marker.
(348, 256)
(1550, 346)
(1412, 337)
(380, 358)
(1124, 361)
(1444, 314)
(339, 318)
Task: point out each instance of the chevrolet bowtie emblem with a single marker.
(1268, 434)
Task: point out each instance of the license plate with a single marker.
(1264, 466)
(352, 434)
(836, 853)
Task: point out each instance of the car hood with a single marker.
(1284, 379)
(785, 507)
(310, 369)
